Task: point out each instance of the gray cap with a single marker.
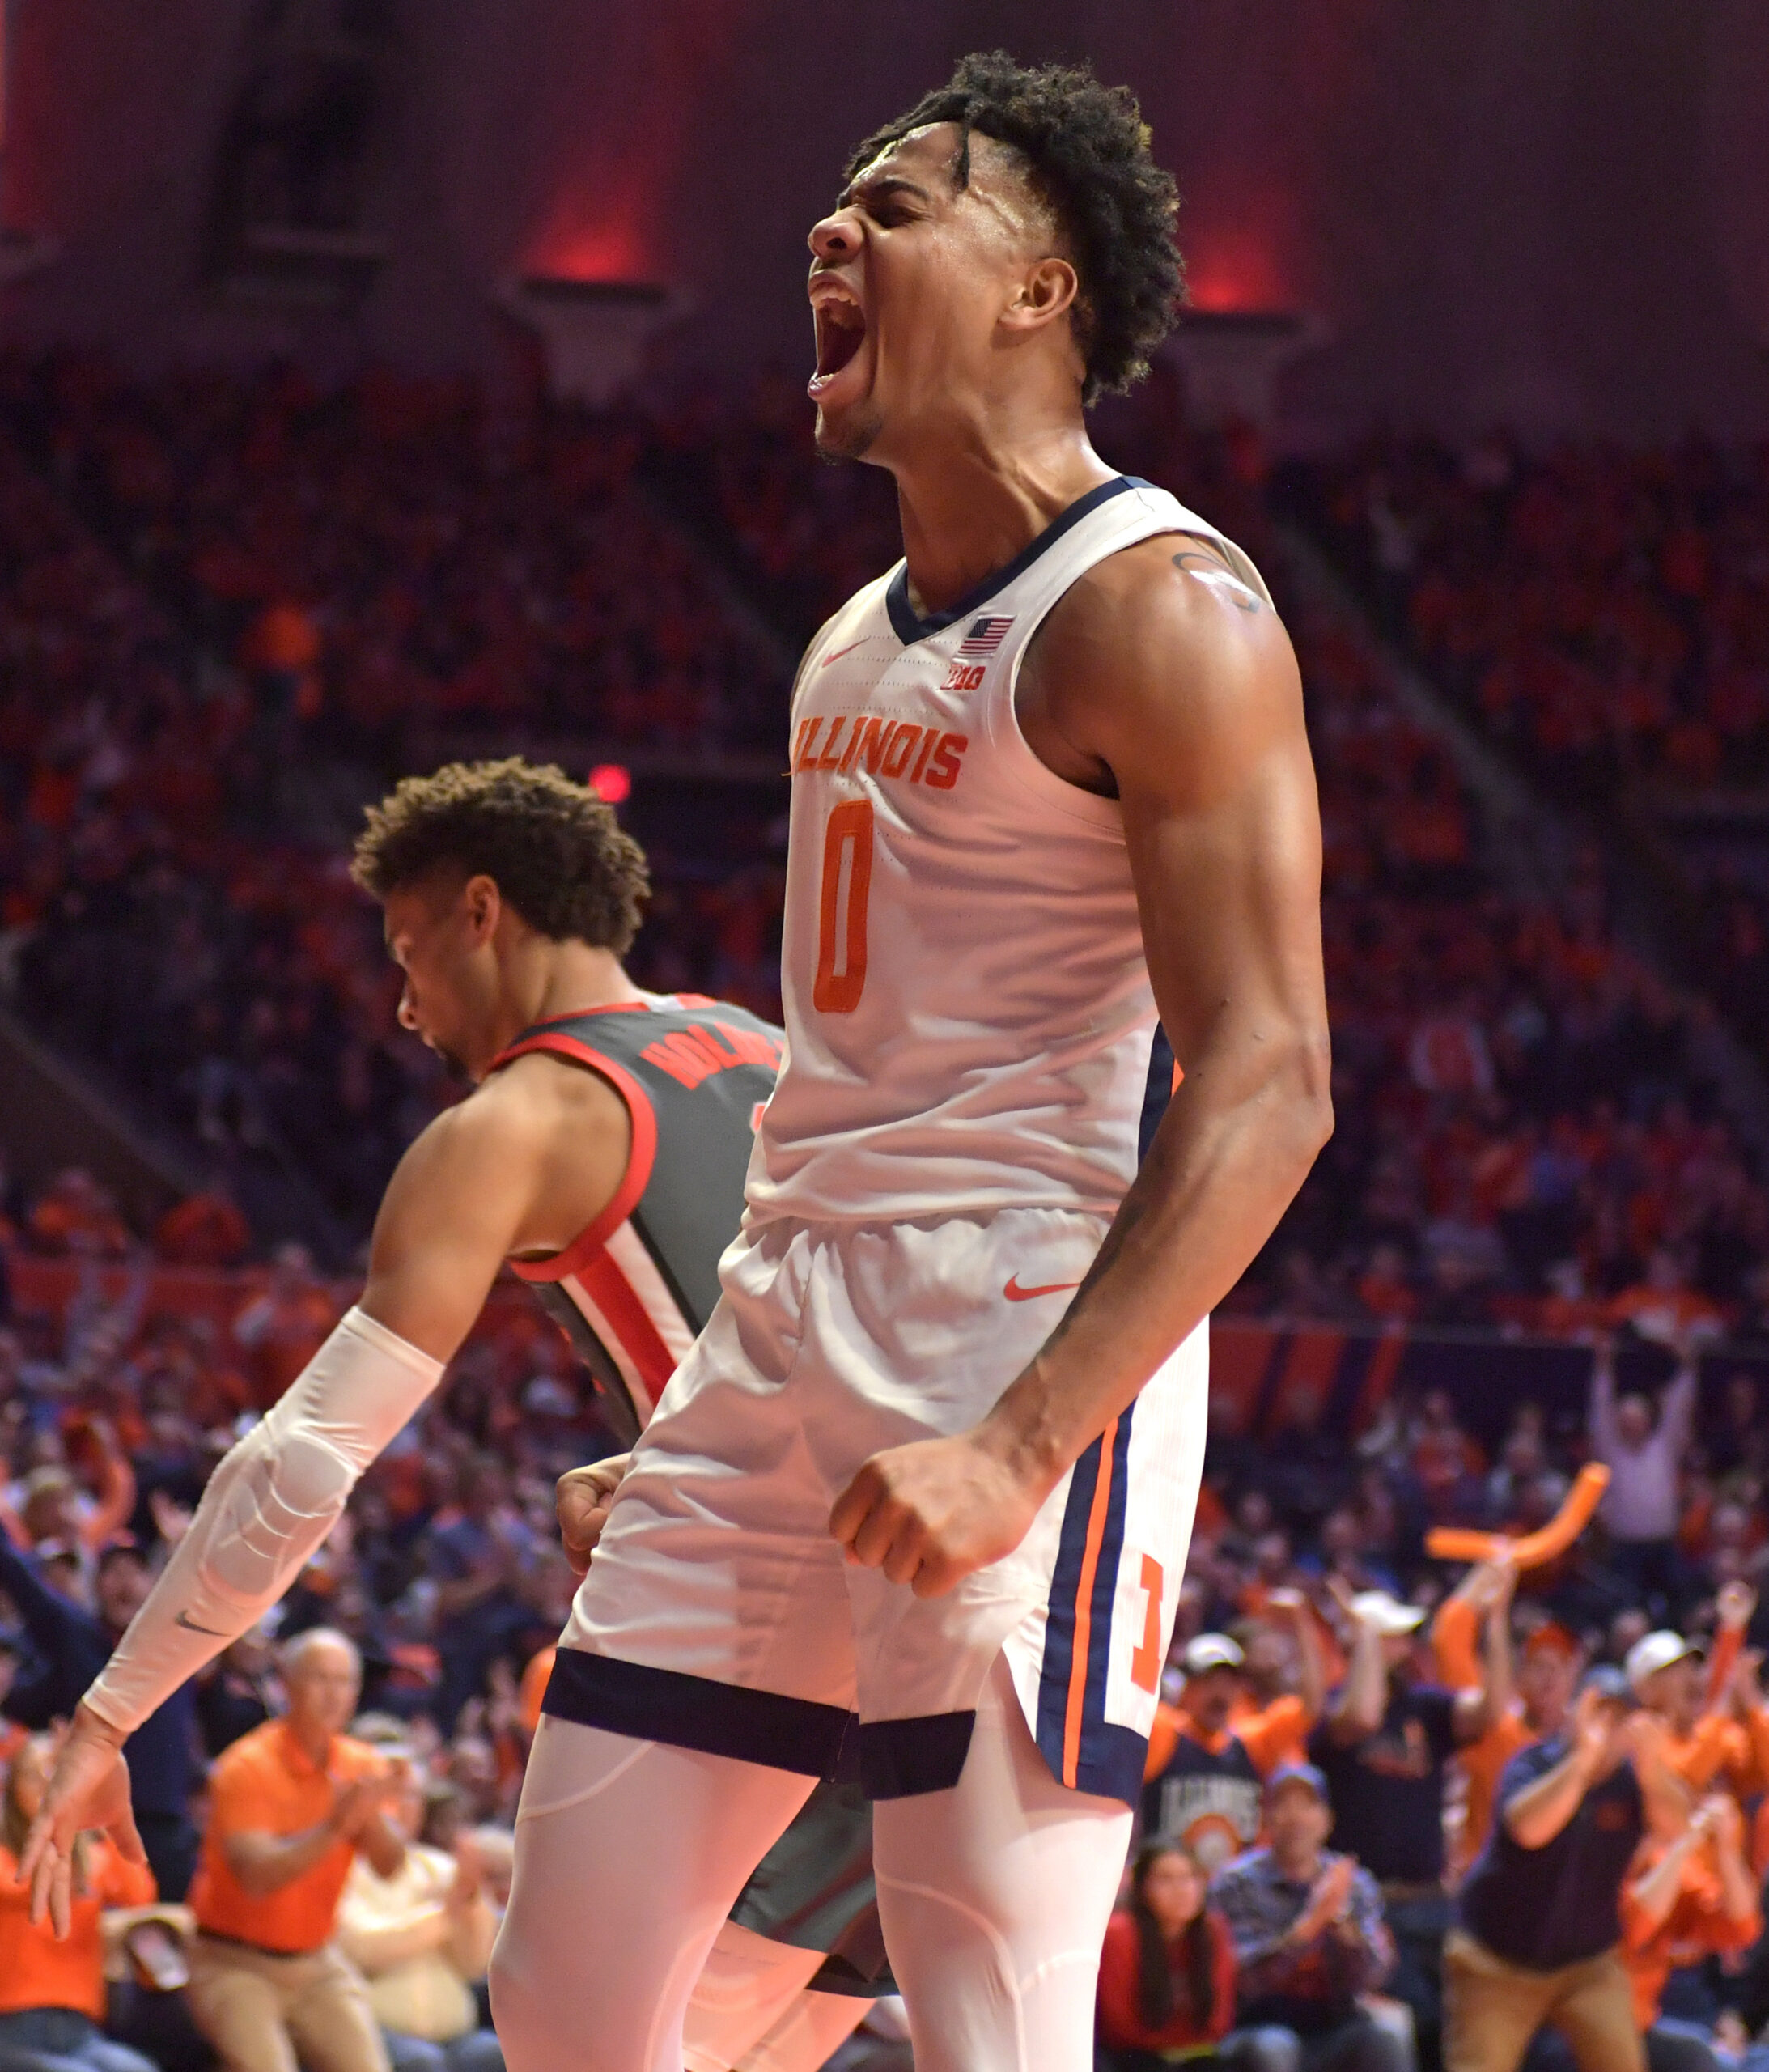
(1302, 1773)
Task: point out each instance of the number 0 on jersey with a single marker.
(847, 882)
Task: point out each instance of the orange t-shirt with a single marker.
(1455, 1637)
(36, 1971)
(266, 1783)
(1482, 1764)
(1269, 1737)
(1696, 1927)
(1714, 1747)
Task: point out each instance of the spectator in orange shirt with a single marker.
(1690, 1898)
(74, 1214)
(204, 1229)
(51, 1993)
(1205, 1771)
(1692, 1701)
(1533, 1711)
(291, 1805)
(280, 1330)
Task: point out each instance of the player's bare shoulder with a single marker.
(544, 1140)
(1153, 644)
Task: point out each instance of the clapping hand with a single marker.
(355, 1803)
(1597, 1724)
(1328, 1897)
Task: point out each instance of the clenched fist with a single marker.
(582, 1501)
(932, 1512)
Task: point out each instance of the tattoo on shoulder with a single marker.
(1193, 560)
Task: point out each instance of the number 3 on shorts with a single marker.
(847, 882)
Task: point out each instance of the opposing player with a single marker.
(917, 1504)
(602, 1153)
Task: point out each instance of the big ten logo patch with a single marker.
(965, 676)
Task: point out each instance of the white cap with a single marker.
(1656, 1651)
(1385, 1612)
(1211, 1651)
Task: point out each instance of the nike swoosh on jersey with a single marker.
(840, 652)
(190, 1626)
(1016, 1294)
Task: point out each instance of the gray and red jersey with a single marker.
(633, 1291)
(634, 1288)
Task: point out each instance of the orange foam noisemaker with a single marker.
(1452, 1543)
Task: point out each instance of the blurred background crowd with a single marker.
(233, 607)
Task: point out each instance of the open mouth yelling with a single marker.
(840, 333)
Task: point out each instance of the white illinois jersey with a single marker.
(968, 1010)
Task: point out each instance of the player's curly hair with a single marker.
(1086, 150)
(556, 850)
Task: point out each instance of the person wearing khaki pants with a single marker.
(1539, 1942)
(1494, 2008)
(264, 2011)
(291, 1804)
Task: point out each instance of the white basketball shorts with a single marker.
(717, 1613)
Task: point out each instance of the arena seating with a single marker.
(230, 598)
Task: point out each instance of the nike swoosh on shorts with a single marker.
(1016, 1294)
(190, 1626)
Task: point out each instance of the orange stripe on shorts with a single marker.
(1084, 1607)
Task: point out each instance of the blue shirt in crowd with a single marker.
(1560, 1904)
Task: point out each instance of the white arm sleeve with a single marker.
(267, 1508)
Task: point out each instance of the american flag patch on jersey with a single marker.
(986, 635)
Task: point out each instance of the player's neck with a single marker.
(574, 977)
(983, 494)
(543, 981)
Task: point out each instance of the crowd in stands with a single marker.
(1384, 1797)
(1605, 609)
(1392, 1818)
(1604, 613)
(1399, 1813)
(213, 591)
(213, 581)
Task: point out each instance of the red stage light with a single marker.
(611, 783)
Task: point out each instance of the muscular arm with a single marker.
(487, 1179)
(522, 1165)
(482, 1180)
(1175, 689)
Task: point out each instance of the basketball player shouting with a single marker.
(914, 1509)
(603, 1154)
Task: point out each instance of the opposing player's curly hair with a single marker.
(1085, 147)
(557, 852)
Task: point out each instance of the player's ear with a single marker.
(1045, 292)
(483, 905)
